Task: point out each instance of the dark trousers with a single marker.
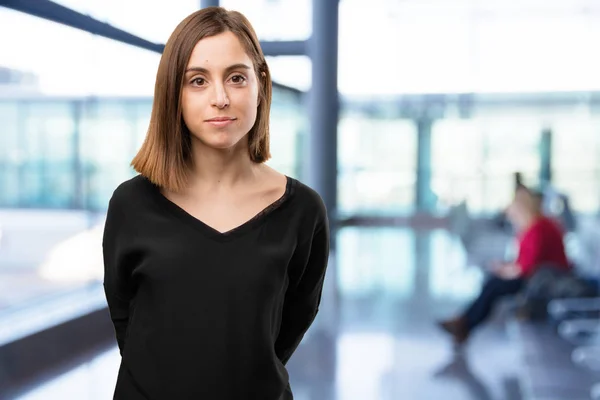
(494, 289)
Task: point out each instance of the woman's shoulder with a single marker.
(543, 227)
(130, 189)
(307, 198)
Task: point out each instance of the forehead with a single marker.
(219, 51)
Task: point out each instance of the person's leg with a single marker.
(480, 309)
(494, 289)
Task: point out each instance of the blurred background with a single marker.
(409, 117)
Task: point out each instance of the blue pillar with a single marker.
(546, 158)
(321, 158)
(424, 200)
(209, 3)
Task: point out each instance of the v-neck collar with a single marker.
(209, 230)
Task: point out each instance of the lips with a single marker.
(220, 122)
(220, 119)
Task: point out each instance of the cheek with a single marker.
(190, 108)
(250, 117)
(247, 104)
(252, 110)
(185, 106)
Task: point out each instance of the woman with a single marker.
(540, 244)
(214, 262)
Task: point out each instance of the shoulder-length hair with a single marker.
(165, 156)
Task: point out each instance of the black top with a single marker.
(200, 314)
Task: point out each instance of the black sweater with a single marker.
(200, 314)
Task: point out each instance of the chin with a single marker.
(222, 143)
(219, 139)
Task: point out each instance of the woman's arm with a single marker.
(116, 283)
(529, 257)
(303, 296)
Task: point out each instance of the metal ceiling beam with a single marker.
(209, 3)
(55, 12)
(63, 15)
(285, 48)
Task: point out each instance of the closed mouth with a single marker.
(220, 119)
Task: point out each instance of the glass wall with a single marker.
(63, 61)
(62, 153)
(159, 17)
(71, 154)
(477, 143)
(475, 159)
(493, 46)
(575, 159)
(377, 158)
(276, 20)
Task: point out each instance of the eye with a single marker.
(198, 81)
(238, 79)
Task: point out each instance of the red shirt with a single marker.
(541, 243)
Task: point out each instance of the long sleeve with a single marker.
(116, 283)
(303, 296)
(542, 244)
(530, 252)
(203, 314)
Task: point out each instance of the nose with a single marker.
(219, 98)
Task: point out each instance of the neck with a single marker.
(221, 168)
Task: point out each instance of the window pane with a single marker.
(10, 156)
(287, 132)
(476, 159)
(276, 19)
(377, 159)
(48, 151)
(292, 71)
(110, 132)
(575, 152)
(60, 60)
(272, 19)
(456, 173)
(483, 46)
(150, 20)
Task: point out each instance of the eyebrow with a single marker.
(227, 70)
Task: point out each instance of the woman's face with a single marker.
(515, 213)
(521, 210)
(220, 92)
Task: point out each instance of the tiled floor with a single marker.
(375, 337)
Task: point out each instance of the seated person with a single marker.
(540, 244)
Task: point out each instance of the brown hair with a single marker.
(165, 157)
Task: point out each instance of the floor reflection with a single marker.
(458, 369)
